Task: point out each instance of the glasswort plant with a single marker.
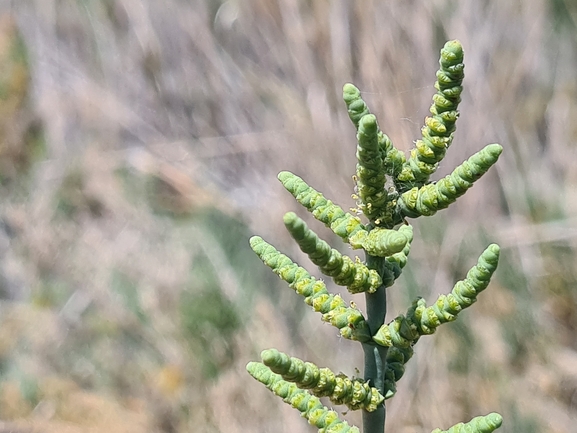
(389, 189)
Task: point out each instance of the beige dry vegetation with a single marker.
(140, 141)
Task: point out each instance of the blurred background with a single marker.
(139, 146)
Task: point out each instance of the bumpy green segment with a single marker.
(370, 176)
(400, 332)
(379, 242)
(394, 264)
(430, 198)
(322, 382)
(311, 408)
(404, 331)
(342, 223)
(463, 295)
(437, 134)
(393, 159)
(396, 360)
(345, 272)
(481, 424)
(348, 320)
(356, 107)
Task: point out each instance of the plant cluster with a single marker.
(390, 188)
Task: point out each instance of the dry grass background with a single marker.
(140, 143)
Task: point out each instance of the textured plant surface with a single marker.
(389, 189)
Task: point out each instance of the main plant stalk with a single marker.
(375, 355)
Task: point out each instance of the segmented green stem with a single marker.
(400, 332)
(311, 408)
(430, 198)
(437, 134)
(356, 107)
(422, 320)
(463, 295)
(342, 223)
(481, 424)
(370, 174)
(396, 359)
(393, 159)
(344, 271)
(348, 320)
(322, 382)
(395, 263)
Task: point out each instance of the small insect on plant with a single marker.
(385, 237)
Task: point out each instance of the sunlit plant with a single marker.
(390, 188)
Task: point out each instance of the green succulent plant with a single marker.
(390, 188)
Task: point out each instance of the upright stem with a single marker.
(375, 355)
